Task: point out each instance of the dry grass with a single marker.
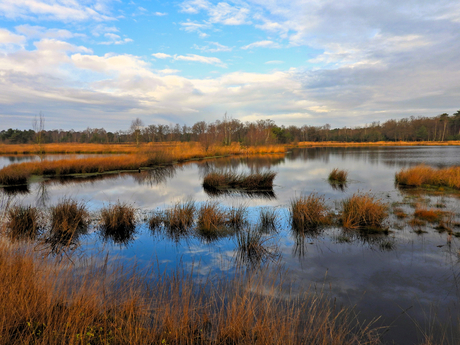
(211, 218)
(428, 215)
(399, 213)
(69, 220)
(378, 143)
(424, 175)
(23, 222)
(180, 217)
(244, 181)
(363, 211)
(309, 212)
(147, 155)
(338, 176)
(44, 302)
(118, 223)
(236, 216)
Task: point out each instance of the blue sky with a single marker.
(104, 63)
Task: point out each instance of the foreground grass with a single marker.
(146, 156)
(424, 175)
(49, 302)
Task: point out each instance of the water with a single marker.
(404, 277)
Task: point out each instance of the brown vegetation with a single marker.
(309, 212)
(233, 180)
(147, 156)
(23, 222)
(424, 175)
(338, 176)
(363, 211)
(118, 223)
(44, 302)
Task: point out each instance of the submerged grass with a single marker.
(118, 223)
(236, 216)
(234, 180)
(268, 220)
(47, 302)
(421, 175)
(363, 211)
(309, 212)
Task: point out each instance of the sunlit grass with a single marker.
(424, 175)
(118, 223)
(309, 212)
(363, 211)
(338, 176)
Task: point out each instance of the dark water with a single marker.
(406, 278)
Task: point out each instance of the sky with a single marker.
(104, 63)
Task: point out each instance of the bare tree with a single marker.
(136, 126)
(38, 125)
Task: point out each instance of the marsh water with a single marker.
(408, 277)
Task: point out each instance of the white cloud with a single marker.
(62, 10)
(160, 14)
(115, 39)
(213, 47)
(161, 55)
(32, 31)
(262, 44)
(7, 38)
(274, 62)
(199, 58)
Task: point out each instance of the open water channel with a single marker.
(408, 277)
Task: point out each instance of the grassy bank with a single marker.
(50, 302)
(146, 157)
(424, 175)
(377, 143)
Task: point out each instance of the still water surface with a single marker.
(404, 277)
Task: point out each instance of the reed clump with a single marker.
(428, 215)
(23, 222)
(309, 212)
(338, 176)
(363, 211)
(211, 218)
(245, 181)
(421, 175)
(69, 220)
(180, 217)
(236, 216)
(118, 223)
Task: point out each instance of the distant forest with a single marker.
(438, 128)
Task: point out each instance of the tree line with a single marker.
(442, 127)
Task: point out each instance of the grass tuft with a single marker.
(69, 220)
(309, 212)
(180, 217)
(118, 223)
(363, 211)
(253, 247)
(23, 222)
(236, 216)
(424, 175)
(211, 220)
(338, 176)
